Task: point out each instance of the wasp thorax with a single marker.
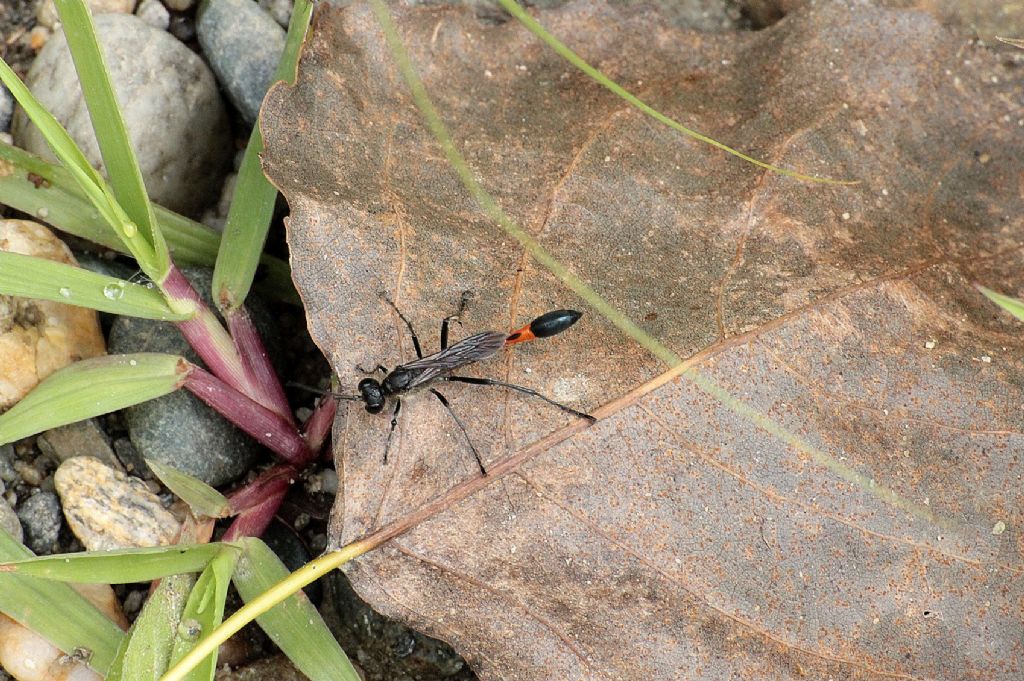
(397, 381)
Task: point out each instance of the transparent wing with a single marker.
(466, 351)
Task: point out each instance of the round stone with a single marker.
(168, 97)
(243, 44)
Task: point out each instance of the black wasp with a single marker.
(424, 372)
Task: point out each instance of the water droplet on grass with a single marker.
(114, 290)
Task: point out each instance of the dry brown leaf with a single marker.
(852, 511)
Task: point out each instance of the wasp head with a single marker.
(372, 395)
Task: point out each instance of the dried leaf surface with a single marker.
(852, 511)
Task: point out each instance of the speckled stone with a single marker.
(106, 509)
(37, 337)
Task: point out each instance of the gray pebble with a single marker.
(40, 518)
(29, 473)
(217, 215)
(322, 482)
(9, 521)
(7, 471)
(243, 45)
(287, 545)
(284, 542)
(134, 601)
(83, 438)
(281, 10)
(178, 429)
(183, 28)
(173, 111)
(6, 108)
(182, 432)
(154, 14)
(129, 456)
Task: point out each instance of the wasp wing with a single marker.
(466, 351)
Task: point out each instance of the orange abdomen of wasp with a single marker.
(548, 324)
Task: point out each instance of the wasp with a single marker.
(425, 373)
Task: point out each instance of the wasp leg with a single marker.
(408, 324)
(466, 295)
(394, 424)
(518, 388)
(444, 401)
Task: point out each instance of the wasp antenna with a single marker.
(548, 324)
(307, 388)
(319, 391)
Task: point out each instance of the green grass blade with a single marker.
(90, 388)
(252, 208)
(204, 612)
(1014, 306)
(202, 499)
(111, 133)
(29, 277)
(146, 651)
(55, 611)
(298, 25)
(47, 191)
(123, 566)
(88, 179)
(294, 625)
